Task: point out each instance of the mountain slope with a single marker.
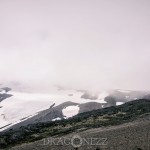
(59, 111)
(27, 107)
(129, 136)
(111, 116)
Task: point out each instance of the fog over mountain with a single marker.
(75, 69)
(84, 44)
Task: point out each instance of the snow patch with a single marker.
(22, 105)
(70, 111)
(56, 119)
(124, 91)
(2, 92)
(119, 103)
(7, 124)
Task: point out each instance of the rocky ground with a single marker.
(128, 136)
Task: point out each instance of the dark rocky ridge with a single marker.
(56, 112)
(89, 107)
(126, 127)
(5, 95)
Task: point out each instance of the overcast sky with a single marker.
(83, 44)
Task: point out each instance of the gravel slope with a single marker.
(129, 136)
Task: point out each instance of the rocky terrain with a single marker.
(129, 136)
(126, 127)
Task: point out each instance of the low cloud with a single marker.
(79, 45)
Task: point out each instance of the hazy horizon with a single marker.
(75, 44)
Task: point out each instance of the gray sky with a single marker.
(84, 44)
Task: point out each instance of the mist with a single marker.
(84, 44)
